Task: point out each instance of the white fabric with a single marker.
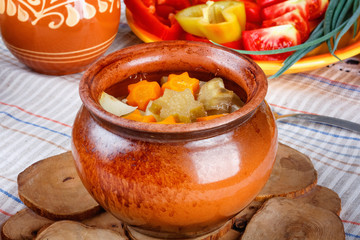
(37, 112)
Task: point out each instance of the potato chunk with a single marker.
(179, 104)
(215, 97)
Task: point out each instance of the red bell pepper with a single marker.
(253, 12)
(164, 11)
(191, 37)
(145, 16)
(234, 44)
(177, 4)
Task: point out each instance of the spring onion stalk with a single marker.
(340, 16)
(333, 9)
(355, 6)
(341, 26)
(351, 22)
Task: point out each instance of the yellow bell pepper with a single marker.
(220, 21)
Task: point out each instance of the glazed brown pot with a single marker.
(178, 180)
(58, 37)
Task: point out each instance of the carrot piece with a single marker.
(137, 116)
(142, 92)
(181, 82)
(201, 119)
(169, 120)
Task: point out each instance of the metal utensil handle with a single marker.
(330, 120)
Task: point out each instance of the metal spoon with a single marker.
(323, 119)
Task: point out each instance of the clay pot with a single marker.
(178, 180)
(58, 37)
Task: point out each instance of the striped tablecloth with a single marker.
(37, 112)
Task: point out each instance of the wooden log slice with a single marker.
(293, 175)
(319, 196)
(24, 225)
(283, 218)
(322, 197)
(107, 221)
(215, 235)
(231, 235)
(242, 218)
(53, 189)
(71, 230)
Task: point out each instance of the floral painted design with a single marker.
(40, 9)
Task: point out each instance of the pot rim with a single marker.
(150, 130)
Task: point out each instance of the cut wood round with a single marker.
(283, 218)
(231, 235)
(290, 206)
(322, 197)
(23, 225)
(71, 230)
(293, 175)
(242, 218)
(217, 234)
(53, 189)
(107, 221)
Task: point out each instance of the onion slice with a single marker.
(114, 105)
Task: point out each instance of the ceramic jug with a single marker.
(58, 36)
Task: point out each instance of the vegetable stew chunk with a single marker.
(180, 104)
(173, 98)
(215, 97)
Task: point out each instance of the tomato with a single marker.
(279, 9)
(295, 18)
(317, 8)
(271, 38)
(314, 23)
(266, 3)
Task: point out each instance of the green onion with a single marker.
(342, 24)
(351, 21)
(355, 6)
(339, 17)
(341, 11)
(344, 11)
(334, 9)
